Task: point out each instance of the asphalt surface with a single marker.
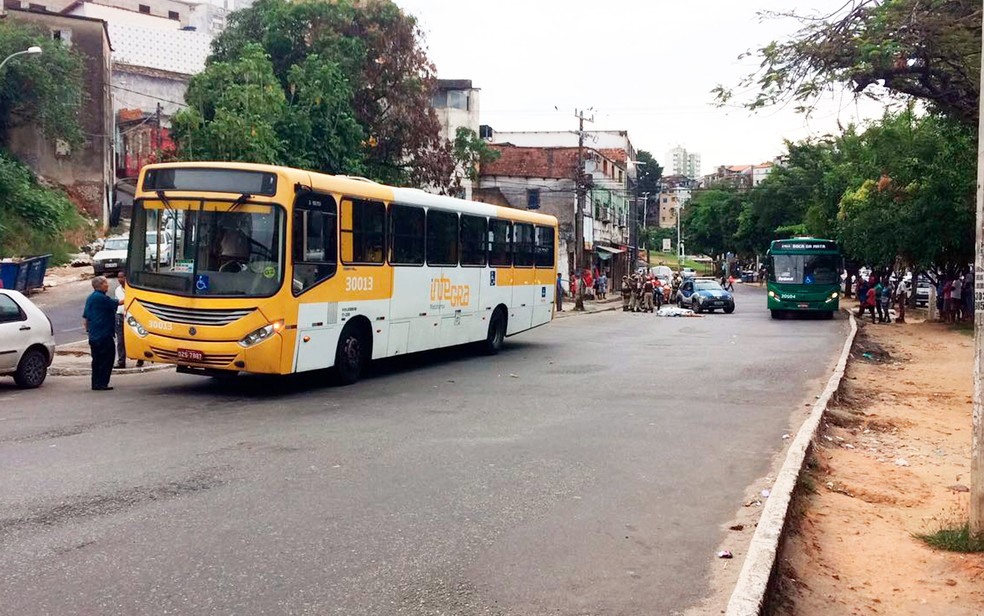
(63, 305)
(587, 469)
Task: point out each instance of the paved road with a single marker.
(592, 482)
(63, 305)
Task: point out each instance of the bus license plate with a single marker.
(190, 355)
(804, 305)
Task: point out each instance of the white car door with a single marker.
(13, 335)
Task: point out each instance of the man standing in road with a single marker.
(99, 318)
(560, 293)
(626, 293)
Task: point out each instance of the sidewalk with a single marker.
(74, 360)
(590, 306)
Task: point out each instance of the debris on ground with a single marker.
(725, 554)
(674, 311)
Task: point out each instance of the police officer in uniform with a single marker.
(626, 293)
(647, 295)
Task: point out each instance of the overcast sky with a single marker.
(647, 66)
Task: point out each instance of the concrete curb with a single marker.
(754, 581)
(85, 371)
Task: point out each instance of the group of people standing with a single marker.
(955, 298)
(643, 293)
(877, 295)
(594, 285)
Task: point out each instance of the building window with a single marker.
(64, 35)
(144, 9)
(406, 235)
(533, 199)
(39, 8)
(458, 99)
(173, 15)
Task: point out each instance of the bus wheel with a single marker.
(828, 315)
(497, 333)
(350, 357)
(776, 314)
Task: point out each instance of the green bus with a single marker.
(804, 276)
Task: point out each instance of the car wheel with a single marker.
(350, 357)
(696, 306)
(496, 337)
(32, 369)
(729, 309)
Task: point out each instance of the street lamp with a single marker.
(33, 51)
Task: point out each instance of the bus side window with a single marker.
(522, 245)
(500, 243)
(442, 238)
(473, 231)
(315, 248)
(544, 247)
(362, 227)
(406, 235)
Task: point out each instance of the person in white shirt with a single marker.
(120, 320)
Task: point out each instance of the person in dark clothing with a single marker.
(99, 320)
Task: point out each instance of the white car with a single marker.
(165, 244)
(27, 340)
(112, 257)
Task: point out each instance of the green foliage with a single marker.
(648, 173)
(356, 85)
(954, 539)
(45, 90)
(898, 194)
(711, 219)
(470, 152)
(928, 51)
(33, 219)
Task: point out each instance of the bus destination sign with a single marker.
(804, 245)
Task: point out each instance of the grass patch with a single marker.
(954, 539)
(670, 260)
(964, 328)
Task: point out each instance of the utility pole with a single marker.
(160, 135)
(579, 189)
(645, 212)
(977, 442)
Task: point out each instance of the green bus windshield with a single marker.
(807, 269)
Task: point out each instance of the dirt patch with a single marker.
(892, 461)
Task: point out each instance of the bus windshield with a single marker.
(805, 269)
(207, 248)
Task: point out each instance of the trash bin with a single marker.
(24, 275)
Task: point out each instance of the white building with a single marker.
(456, 102)
(682, 162)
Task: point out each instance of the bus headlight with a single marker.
(136, 326)
(772, 294)
(261, 334)
(832, 297)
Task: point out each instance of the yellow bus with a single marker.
(274, 270)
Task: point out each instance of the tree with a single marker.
(711, 221)
(377, 62)
(470, 152)
(648, 174)
(928, 50)
(47, 91)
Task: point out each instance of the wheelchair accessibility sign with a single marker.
(201, 282)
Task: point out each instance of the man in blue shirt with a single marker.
(99, 319)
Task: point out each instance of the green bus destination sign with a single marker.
(803, 245)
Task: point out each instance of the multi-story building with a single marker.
(85, 172)
(456, 102)
(682, 162)
(543, 178)
(741, 177)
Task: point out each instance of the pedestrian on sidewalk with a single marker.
(626, 293)
(120, 295)
(901, 297)
(862, 293)
(560, 293)
(870, 299)
(956, 299)
(603, 286)
(99, 320)
(886, 300)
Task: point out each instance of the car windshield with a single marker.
(805, 269)
(707, 285)
(116, 244)
(219, 250)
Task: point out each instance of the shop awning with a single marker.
(610, 250)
